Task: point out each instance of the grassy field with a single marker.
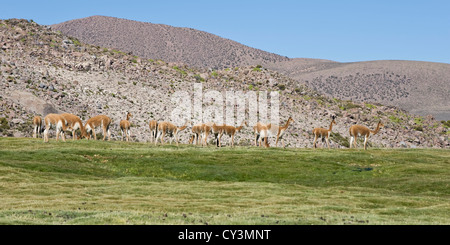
(87, 182)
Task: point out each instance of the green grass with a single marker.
(88, 182)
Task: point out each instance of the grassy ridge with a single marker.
(87, 182)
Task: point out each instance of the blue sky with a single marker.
(340, 30)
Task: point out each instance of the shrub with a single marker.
(347, 105)
(75, 42)
(418, 121)
(394, 119)
(446, 123)
(183, 72)
(199, 78)
(281, 86)
(4, 125)
(341, 140)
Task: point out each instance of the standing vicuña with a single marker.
(58, 122)
(125, 126)
(231, 131)
(216, 130)
(97, 121)
(323, 133)
(280, 130)
(359, 130)
(263, 132)
(170, 129)
(37, 122)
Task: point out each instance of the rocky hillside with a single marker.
(418, 87)
(45, 71)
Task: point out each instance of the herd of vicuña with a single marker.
(200, 132)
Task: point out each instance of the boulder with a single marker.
(32, 103)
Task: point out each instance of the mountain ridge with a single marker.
(169, 43)
(58, 73)
(412, 85)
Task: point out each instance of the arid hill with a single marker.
(422, 88)
(164, 42)
(43, 71)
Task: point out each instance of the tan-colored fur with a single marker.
(125, 126)
(37, 123)
(264, 131)
(170, 129)
(206, 130)
(196, 133)
(258, 129)
(73, 123)
(282, 130)
(58, 122)
(231, 131)
(200, 131)
(359, 130)
(97, 121)
(217, 131)
(323, 133)
(153, 125)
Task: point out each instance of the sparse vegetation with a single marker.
(341, 140)
(281, 86)
(347, 105)
(370, 106)
(418, 121)
(446, 123)
(4, 125)
(394, 119)
(181, 71)
(257, 68)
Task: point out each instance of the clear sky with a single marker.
(339, 30)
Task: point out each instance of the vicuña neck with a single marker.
(331, 126)
(287, 123)
(376, 130)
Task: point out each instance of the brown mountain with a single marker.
(419, 87)
(164, 42)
